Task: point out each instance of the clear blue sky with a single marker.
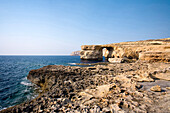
(62, 26)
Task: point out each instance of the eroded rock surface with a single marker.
(98, 89)
(155, 56)
(91, 52)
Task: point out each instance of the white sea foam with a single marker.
(72, 63)
(25, 78)
(5, 107)
(26, 83)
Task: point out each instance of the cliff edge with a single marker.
(149, 50)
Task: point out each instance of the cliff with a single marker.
(75, 53)
(141, 86)
(150, 50)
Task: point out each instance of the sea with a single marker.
(14, 86)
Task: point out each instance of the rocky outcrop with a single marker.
(155, 56)
(91, 52)
(101, 88)
(150, 50)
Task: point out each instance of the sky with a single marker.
(58, 27)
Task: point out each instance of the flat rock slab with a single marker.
(162, 83)
(117, 60)
(163, 76)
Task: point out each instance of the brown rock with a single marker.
(154, 56)
(78, 89)
(156, 88)
(150, 50)
(168, 88)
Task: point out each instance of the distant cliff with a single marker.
(75, 53)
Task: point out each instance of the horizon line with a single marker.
(33, 54)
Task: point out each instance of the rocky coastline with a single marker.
(118, 87)
(136, 86)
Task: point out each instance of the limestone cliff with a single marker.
(75, 53)
(151, 50)
(137, 87)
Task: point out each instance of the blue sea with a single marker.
(14, 86)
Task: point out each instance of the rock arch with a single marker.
(95, 52)
(150, 50)
(107, 52)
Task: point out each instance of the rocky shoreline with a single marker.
(114, 87)
(136, 80)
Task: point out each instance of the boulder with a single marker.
(156, 88)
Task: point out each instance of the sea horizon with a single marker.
(36, 55)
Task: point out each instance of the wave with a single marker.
(72, 63)
(1, 108)
(26, 83)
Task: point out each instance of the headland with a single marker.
(136, 79)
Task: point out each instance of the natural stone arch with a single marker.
(107, 52)
(95, 52)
